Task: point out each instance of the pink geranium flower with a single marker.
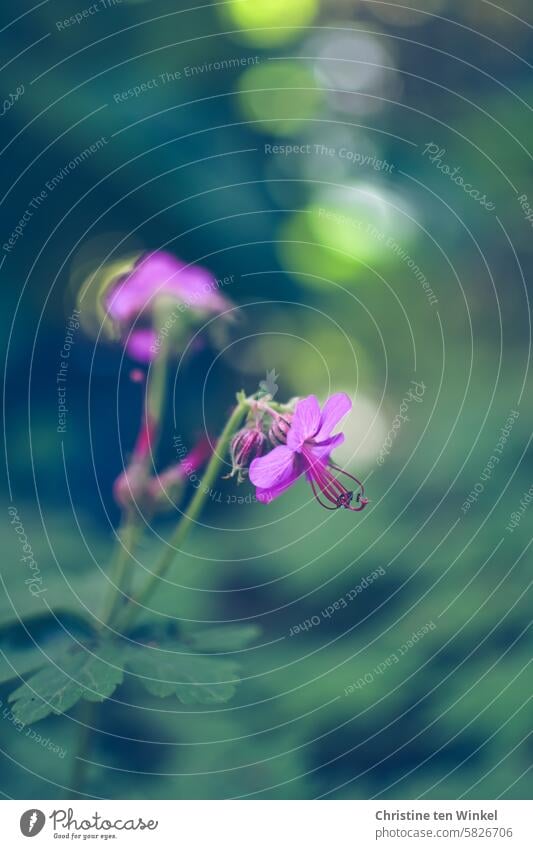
(131, 301)
(307, 452)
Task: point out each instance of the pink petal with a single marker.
(135, 292)
(162, 273)
(332, 412)
(274, 468)
(125, 301)
(155, 271)
(322, 450)
(141, 344)
(193, 285)
(305, 422)
(265, 496)
(199, 289)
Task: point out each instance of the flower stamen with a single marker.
(331, 487)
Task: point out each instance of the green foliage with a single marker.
(169, 669)
(225, 638)
(94, 671)
(91, 674)
(22, 657)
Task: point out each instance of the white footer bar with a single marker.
(268, 824)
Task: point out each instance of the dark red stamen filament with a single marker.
(331, 488)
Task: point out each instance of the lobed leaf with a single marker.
(225, 638)
(91, 674)
(194, 679)
(28, 646)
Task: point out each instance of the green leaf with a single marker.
(27, 646)
(170, 670)
(19, 662)
(84, 673)
(225, 638)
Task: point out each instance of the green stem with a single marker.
(130, 528)
(128, 534)
(189, 517)
(156, 391)
(86, 716)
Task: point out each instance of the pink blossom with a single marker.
(131, 301)
(307, 452)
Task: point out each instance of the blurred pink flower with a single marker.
(130, 485)
(166, 485)
(135, 487)
(131, 301)
(309, 445)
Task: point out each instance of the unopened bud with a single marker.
(129, 488)
(247, 444)
(166, 489)
(279, 429)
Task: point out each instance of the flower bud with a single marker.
(166, 489)
(129, 489)
(279, 429)
(247, 444)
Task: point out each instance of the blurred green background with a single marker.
(285, 143)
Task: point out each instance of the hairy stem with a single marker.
(128, 533)
(86, 716)
(188, 518)
(132, 526)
